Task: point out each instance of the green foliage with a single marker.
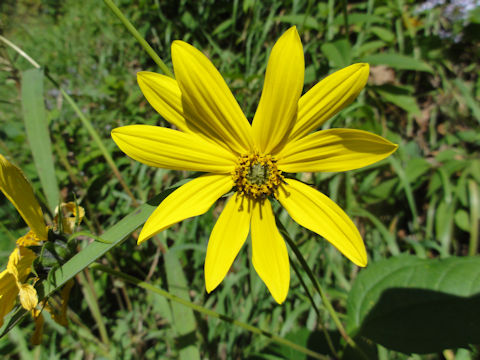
(417, 305)
(420, 210)
(36, 128)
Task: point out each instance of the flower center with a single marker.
(257, 176)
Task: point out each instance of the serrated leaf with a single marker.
(417, 305)
(397, 61)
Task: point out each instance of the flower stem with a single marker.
(208, 312)
(323, 295)
(138, 37)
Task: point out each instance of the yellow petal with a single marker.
(172, 149)
(226, 240)
(70, 219)
(277, 109)
(163, 93)
(328, 97)
(269, 252)
(17, 189)
(36, 338)
(192, 199)
(29, 239)
(20, 263)
(8, 293)
(313, 210)
(208, 104)
(60, 317)
(334, 150)
(28, 296)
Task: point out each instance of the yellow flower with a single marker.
(13, 280)
(215, 137)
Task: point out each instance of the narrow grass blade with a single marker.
(183, 317)
(85, 121)
(92, 302)
(38, 135)
(138, 37)
(208, 312)
(474, 216)
(407, 188)
(93, 251)
(468, 98)
(326, 302)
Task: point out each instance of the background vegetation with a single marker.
(424, 201)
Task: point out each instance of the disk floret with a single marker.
(257, 176)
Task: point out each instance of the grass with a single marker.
(422, 94)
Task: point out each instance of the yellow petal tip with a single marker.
(176, 44)
(280, 299)
(141, 239)
(143, 236)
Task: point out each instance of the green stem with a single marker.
(315, 307)
(92, 302)
(20, 51)
(138, 37)
(316, 284)
(345, 19)
(90, 235)
(94, 134)
(205, 311)
(86, 122)
(408, 191)
(474, 215)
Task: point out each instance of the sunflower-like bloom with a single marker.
(14, 280)
(215, 137)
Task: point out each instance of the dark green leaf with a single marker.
(417, 305)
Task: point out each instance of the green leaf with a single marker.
(417, 305)
(382, 33)
(338, 53)
(397, 61)
(400, 97)
(92, 252)
(359, 19)
(471, 102)
(306, 21)
(415, 168)
(462, 219)
(183, 317)
(369, 47)
(37, 133)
